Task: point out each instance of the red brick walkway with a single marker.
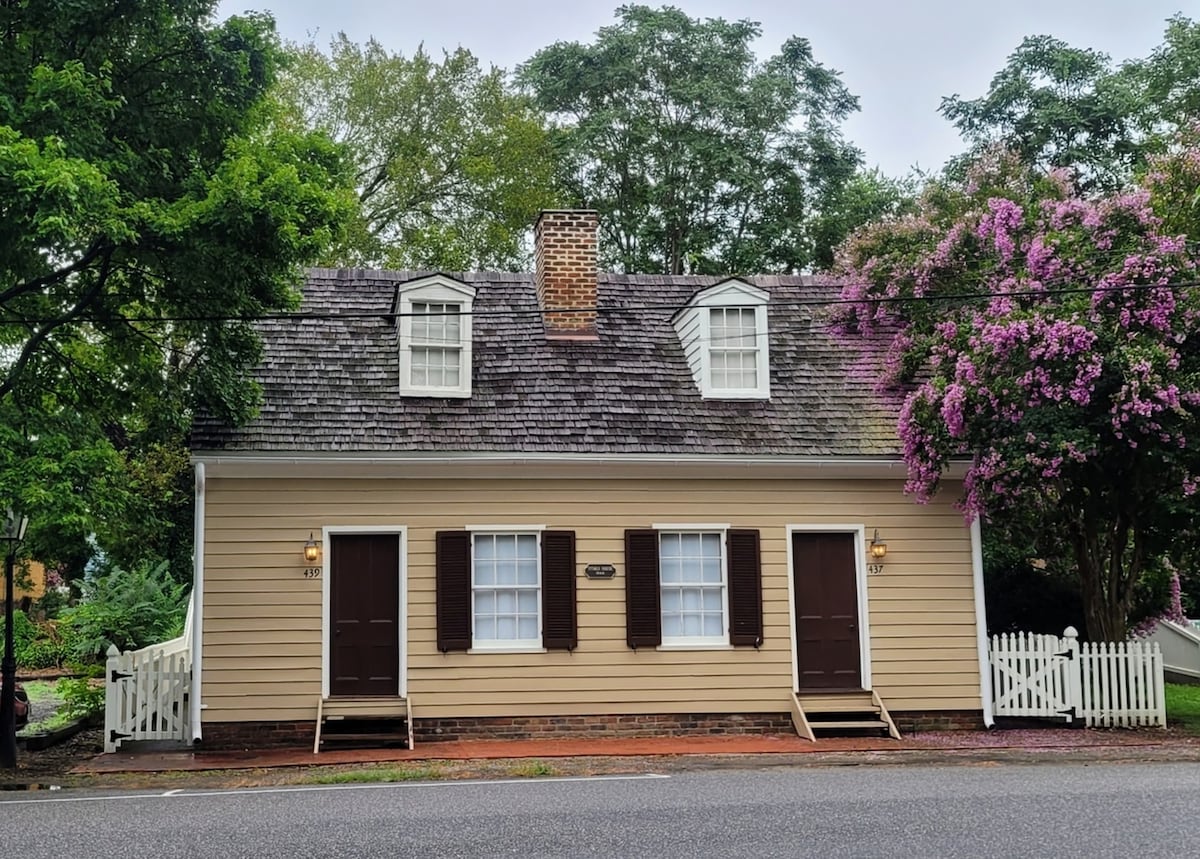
(1031, 740)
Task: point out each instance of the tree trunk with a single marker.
(1109, 562)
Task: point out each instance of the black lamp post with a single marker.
(11, 536)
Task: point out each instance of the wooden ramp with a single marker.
(851, 713)
(363, 721)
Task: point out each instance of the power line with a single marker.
(508, 313)
(1096, 256)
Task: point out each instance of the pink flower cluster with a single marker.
(1081, 352)
(1002, 223)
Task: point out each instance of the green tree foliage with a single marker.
(149, 208)
(698, 157)
(451, 164)
(1059, 106)
(867, 197)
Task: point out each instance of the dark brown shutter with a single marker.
(745, 588)
(643, 617)
(558, 590)
(453, 590)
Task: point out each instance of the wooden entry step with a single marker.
(838, 713)
(365, 720)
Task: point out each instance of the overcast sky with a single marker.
(899, 58)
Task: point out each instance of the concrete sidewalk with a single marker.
(1028, 744)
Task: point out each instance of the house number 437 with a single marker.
(312, 572)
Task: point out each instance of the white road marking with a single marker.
(334, 787)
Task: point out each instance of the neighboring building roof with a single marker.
(331, 385)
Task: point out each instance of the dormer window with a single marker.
(723, 331)
(434, 324)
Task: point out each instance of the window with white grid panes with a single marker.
(506, 590)
(692, 581)
(733, 348)
(436, 345)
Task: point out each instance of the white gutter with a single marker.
(198, 604)
(981, 637)
(293, 457)
(483, 464)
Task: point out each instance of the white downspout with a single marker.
(981, 638)
(198, 603)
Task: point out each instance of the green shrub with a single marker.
(80, 697)
(35, 645)
(24, 631)
(126, 608)
(43, 653)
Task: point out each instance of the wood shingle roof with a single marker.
(331, 384)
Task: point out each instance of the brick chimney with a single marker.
(565, 255)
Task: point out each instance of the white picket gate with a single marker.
(146, 691)
(1108, 684)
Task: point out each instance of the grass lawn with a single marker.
(41, 691)
(45, 698)
(1183, 707)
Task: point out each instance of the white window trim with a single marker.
(506, 529)
(519, 645)
(763, 390)
(699, 642)
(437, 289)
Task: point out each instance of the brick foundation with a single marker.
(563, 727)
(258, 735)
(938, 720)
(267, 735)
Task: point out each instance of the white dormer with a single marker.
(434, 325)
(723, 330)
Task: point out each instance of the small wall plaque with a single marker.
(600, 571)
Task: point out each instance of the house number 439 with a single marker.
(312, 572)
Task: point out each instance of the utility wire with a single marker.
(302, 316)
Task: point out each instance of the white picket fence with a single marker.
(146, 691)
(1106, 684)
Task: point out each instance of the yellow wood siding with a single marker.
(262, 618)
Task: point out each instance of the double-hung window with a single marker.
(692, 581)
(436, 345)
(433, 320)
(506, 590)
(733, 346)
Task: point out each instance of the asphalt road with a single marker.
(1096, 811)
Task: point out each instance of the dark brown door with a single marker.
(827, 651)
(364, 613)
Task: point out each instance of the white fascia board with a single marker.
(507, 465)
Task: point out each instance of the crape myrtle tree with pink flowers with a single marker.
(1051, 342)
